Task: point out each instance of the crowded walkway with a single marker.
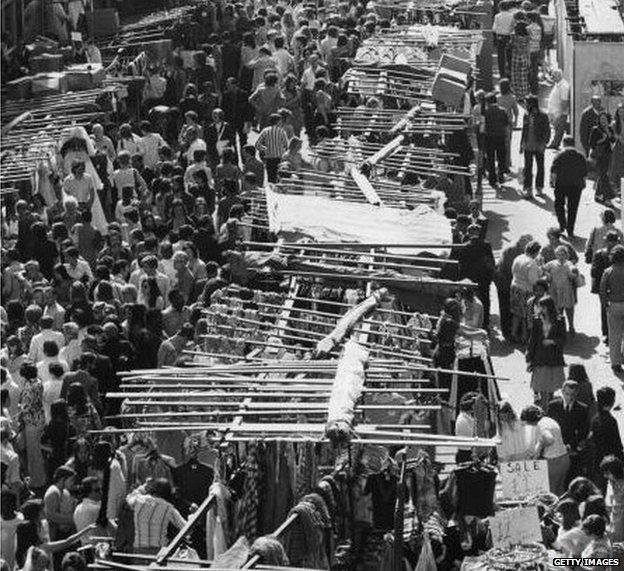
(284, 282)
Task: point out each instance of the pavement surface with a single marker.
(511, 216)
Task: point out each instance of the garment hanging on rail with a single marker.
(305, 542)
(217, 521)
(382, 488)
(306, 469)
(249, 505)
(279, 496)
(424, 484)
(469, 491)
(193, 480)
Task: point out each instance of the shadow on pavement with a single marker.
(545, 203)
(498, 225)
(582, 345)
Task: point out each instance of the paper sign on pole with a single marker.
(523, 478)
(518, 525)
(76, 37)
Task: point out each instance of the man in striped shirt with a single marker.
(152, 515)
(272, 144)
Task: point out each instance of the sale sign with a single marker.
(523, 478)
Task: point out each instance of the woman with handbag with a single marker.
(544, 354)
(564, 279)
(601, 139)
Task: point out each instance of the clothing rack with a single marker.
(347, 250)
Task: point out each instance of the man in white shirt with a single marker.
(503, 27)
(36, 353)
(151, 143)
(194, 143)
(53, 309)
(77, 268)
(558, 107)
(165, 265)
(308, 77)
(465, 425)
(329, 42)
(87, 511)
(285, 62)
(199, 164)
(50, 356)
(149, 269)
(80, 185)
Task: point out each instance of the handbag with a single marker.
(221, 144)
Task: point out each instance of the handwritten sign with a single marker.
(518, 525)
(523, 478)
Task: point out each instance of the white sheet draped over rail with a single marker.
(327, 219)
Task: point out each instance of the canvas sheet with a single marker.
(325, 219)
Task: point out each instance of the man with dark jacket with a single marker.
(218, 136)
(589, 120)
(230, 52)
(600, 262)
(476, 262)
(567, 175)
(535, 137)
(604, 433)
(496, 123)
(572, 417)
(235, 105)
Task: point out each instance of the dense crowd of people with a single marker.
(109, 266)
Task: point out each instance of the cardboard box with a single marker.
(455, 64)
(448, 91)
(449, 84)
(81, 77)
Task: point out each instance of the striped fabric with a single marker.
(152, 515)
(272, 142)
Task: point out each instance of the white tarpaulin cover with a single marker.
(327, 219)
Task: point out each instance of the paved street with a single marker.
(510, 216)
